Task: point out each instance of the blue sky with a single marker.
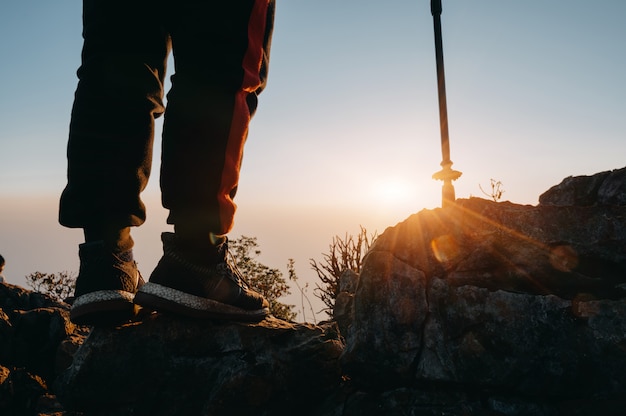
(347, 130)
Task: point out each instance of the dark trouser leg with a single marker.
(221, 52)
(118, 96)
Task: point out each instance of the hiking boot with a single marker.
(105, 287)
(214, 290)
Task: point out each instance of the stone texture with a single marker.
(37, 341)
(343, 310)
(603, 188)
(529, 249)
(389, 314)
(169, 366)
(522, 306)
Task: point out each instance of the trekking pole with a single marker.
(446, 174)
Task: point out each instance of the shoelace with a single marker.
(229, 263)
(232, 265)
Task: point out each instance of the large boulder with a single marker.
(160, 365)
(171, 366)
(520, 307)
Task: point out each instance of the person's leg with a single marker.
(109, 152)
(221, 54)
(118, 96)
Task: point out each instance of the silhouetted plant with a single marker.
(496, 190)
(344, 254)
(291, 269)
(268, 282)
(56, 285)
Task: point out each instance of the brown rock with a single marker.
(486, 296)
(169, 366)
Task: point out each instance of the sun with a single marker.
(392, 190)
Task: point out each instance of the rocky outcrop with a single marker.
(37, 342)
(160, 365)
(171, 366)
(479, 309)
(501, 308)
(604, 188)
(343, 310)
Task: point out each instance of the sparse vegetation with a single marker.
(56, 285)
(496, 190)
(344, 254)
(291, 269)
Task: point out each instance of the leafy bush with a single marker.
(268, 282)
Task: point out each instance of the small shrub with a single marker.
(268, 282)
(56, 285)
(344, 254)
(496, 190)
(291, 268)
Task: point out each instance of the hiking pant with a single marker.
(221, 56)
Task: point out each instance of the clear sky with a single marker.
(347, 131)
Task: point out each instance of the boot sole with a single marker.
(163, 298)
(104, 308)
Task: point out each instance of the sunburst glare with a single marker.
(392, 190)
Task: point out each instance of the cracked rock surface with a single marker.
(506, 308)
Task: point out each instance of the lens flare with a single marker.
(563, 258)
(445, 248)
